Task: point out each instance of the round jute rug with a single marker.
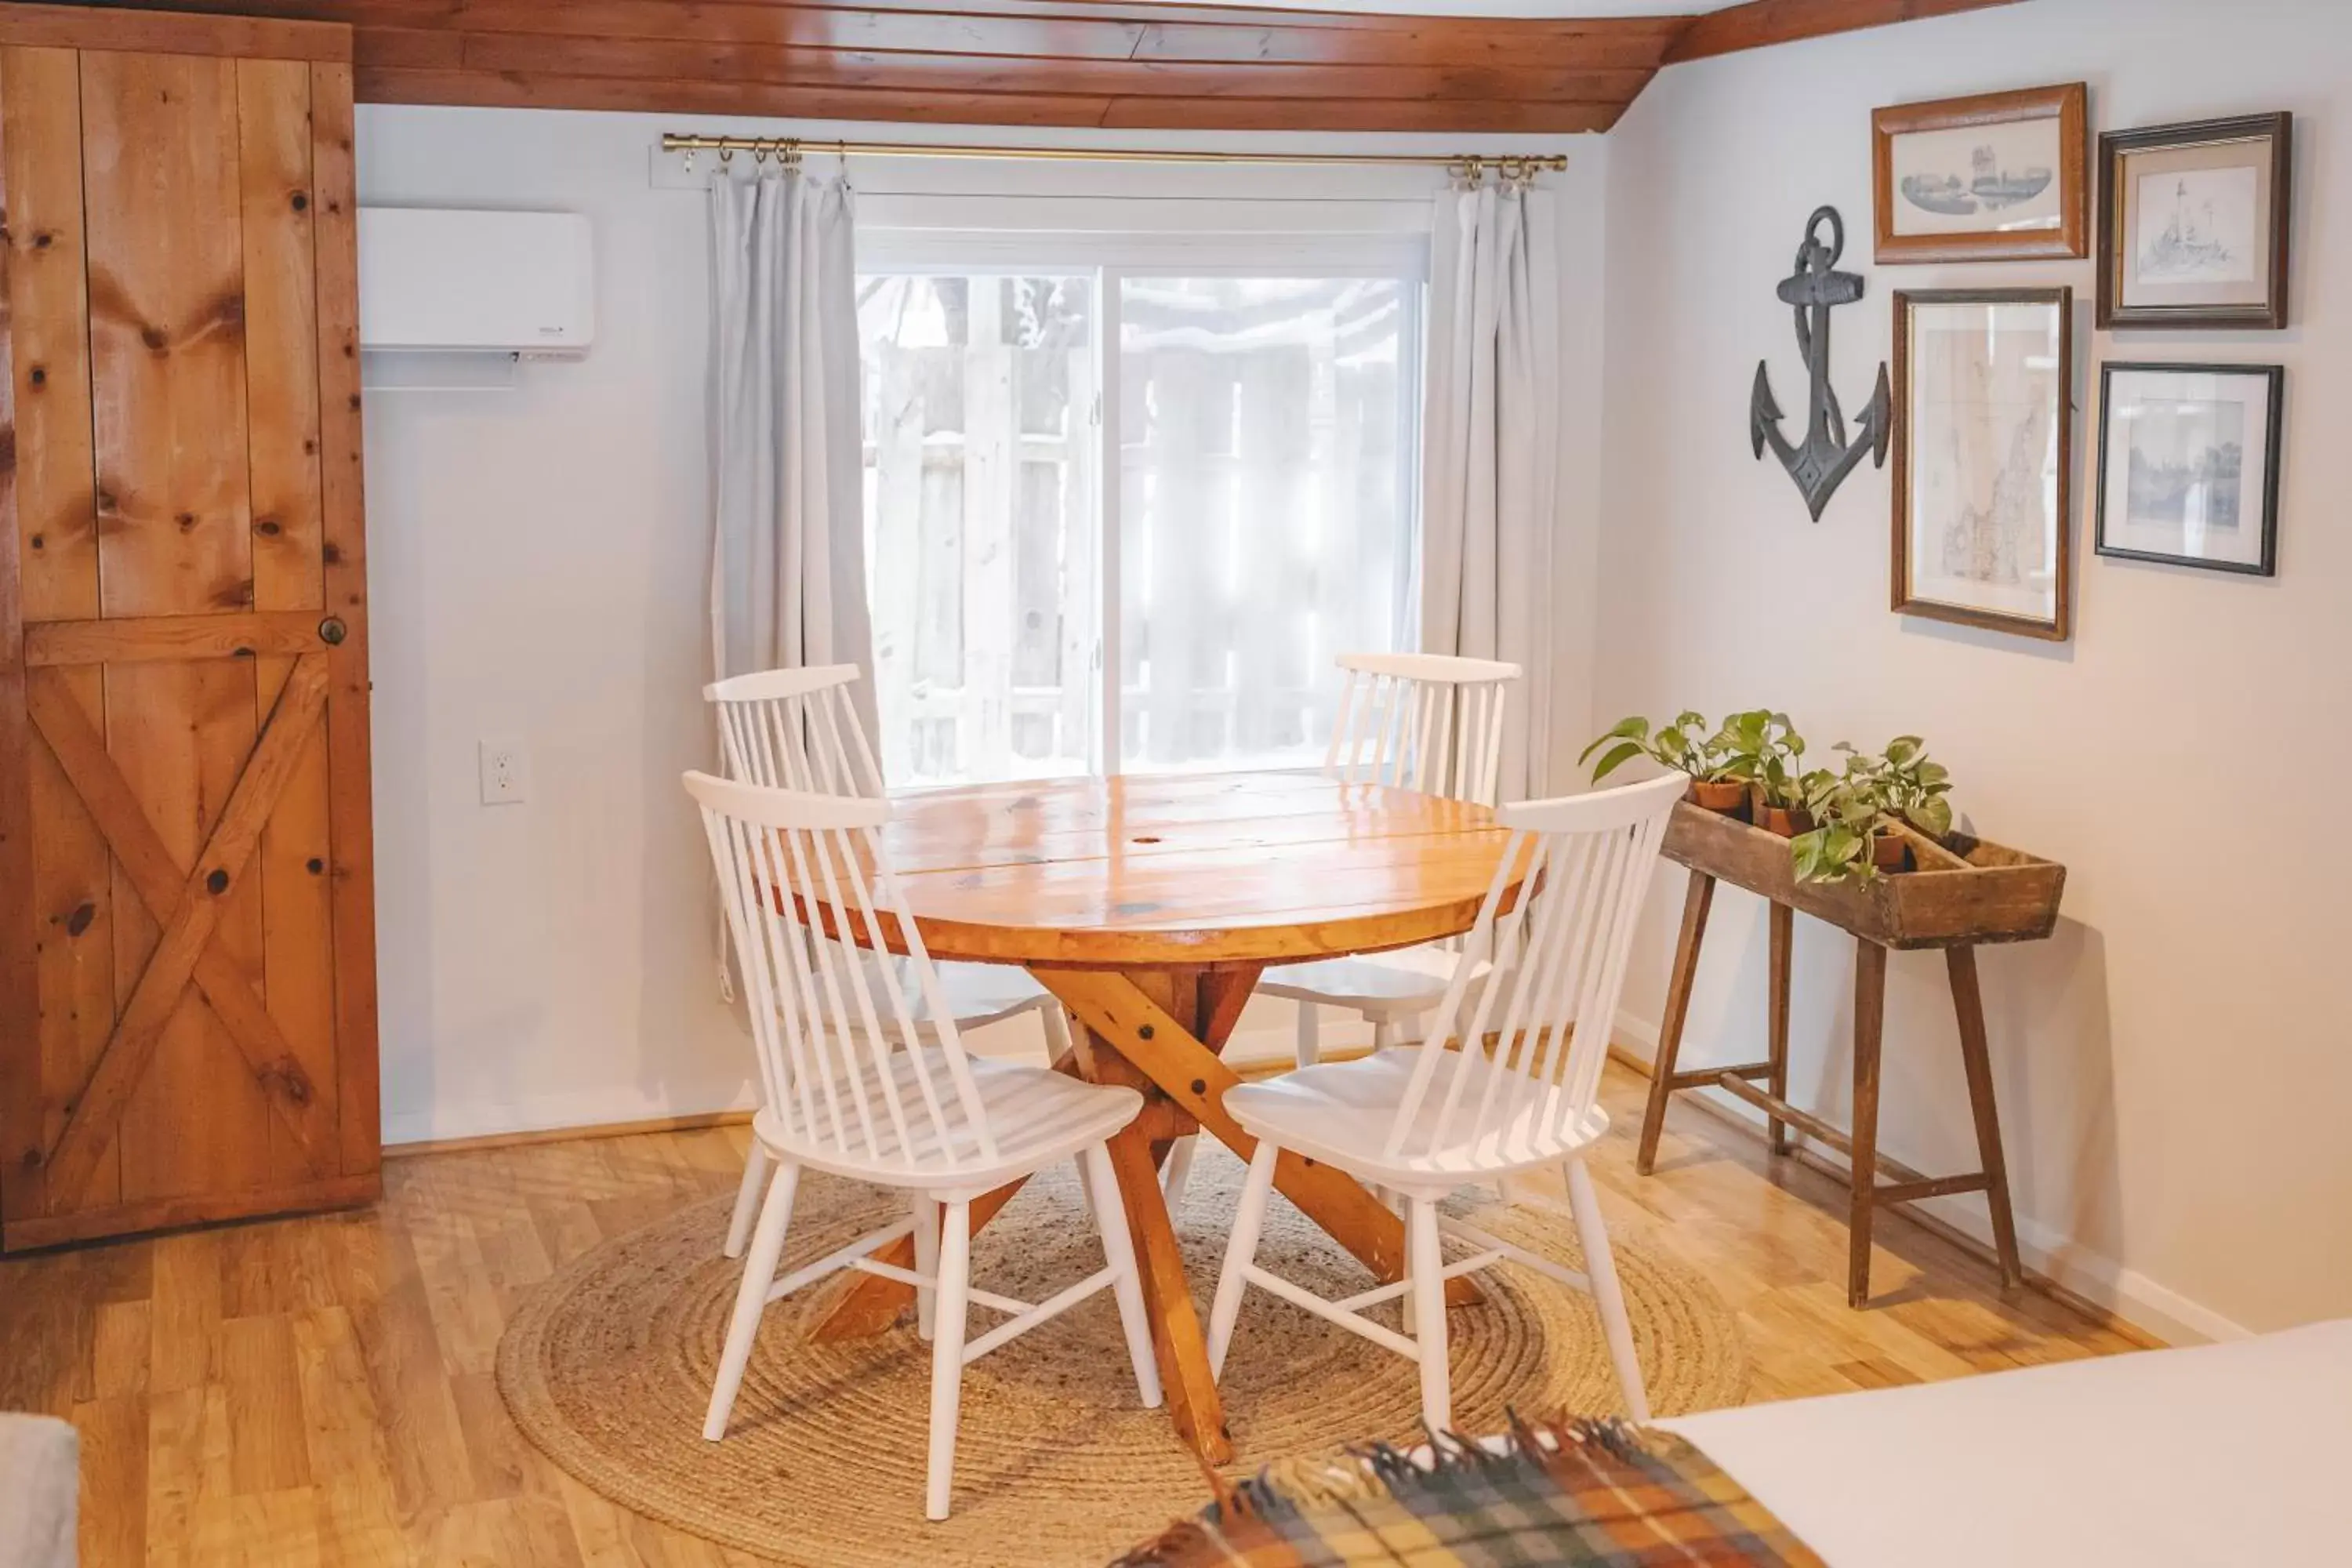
(608, 1366)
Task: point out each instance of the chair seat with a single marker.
(1341, 1113)
(1039, 1117)
(1408, 981)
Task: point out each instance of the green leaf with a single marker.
(1932, 816)
(1615, 760)
(1903, 749)
(1635, 729)
(1805, 855)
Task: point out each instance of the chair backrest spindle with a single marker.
(796, 730)
(1422, 721)
(792, 863)
(1581, 865)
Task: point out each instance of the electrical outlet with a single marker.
(506, 773)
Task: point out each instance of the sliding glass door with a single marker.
(1201, 479)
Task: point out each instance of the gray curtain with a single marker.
(788, 558)
(1490, 450)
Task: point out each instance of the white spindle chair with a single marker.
(857, 1087)
(797, 729)
(1423, 1122)
(1428, 723)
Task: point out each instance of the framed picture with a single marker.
(2194, 224)
(1984, 458)
(2002, 177)
(2189, 464)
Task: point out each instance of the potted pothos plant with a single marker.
(1855, 812)
(1682, 744)
(1762, 749)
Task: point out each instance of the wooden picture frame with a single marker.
(1991, 584)
(2256, 154)
(1930, 214)
(2233, 550)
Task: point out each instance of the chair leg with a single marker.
(1385, 1034)
(1057, 1029)
(1310, 1034)
(1178, 1172)
(946, 1354)
(1249, 1219)
(1600, 1268)
(927, 1262)
(1126, 1279)
(751, 1297)
(1408, 1309)
(746, 1198)
(1425, 1264)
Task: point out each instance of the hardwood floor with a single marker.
(320, 1391)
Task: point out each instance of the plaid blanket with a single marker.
(1593, 1494)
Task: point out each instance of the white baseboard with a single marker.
(2157, 1309)
(610, 1106)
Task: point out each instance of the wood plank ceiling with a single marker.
(1048, 62)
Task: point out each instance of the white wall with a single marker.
(2173, 1066)
(537, 569)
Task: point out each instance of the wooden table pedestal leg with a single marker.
(1194, 1402)
(1696, 904)
(1968, 1001)
(1869, 1032)
(1783, 923)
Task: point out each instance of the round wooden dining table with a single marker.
(1150, 905)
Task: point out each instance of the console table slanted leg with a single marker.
(1869, 1034)
(1783, 923)
(1968, 1001)
(1696, 904)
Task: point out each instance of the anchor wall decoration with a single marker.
(1812, 289)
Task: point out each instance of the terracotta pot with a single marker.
(1785, 821)
(1889, 852)
(1729, 798)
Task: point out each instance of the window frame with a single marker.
(1110, 259)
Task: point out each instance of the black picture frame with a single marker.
(2117, 147)
(2274, 427)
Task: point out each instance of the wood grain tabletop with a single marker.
(1192, 869)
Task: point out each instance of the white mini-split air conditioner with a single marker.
(437, 283)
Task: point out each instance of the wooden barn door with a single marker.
(187, 1007)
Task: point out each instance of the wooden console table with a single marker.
(1958, 899)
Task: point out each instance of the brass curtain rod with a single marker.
(789, 149)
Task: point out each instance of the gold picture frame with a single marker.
(2002, 176)
(1984, 458)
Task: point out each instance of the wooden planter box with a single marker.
(1972, 892)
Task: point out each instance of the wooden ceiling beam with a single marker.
(1131, 63)
(1760, 24)
(384, 84)
(662, 59)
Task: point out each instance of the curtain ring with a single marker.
(727, 154)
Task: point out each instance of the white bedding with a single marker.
(2236, 1454)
